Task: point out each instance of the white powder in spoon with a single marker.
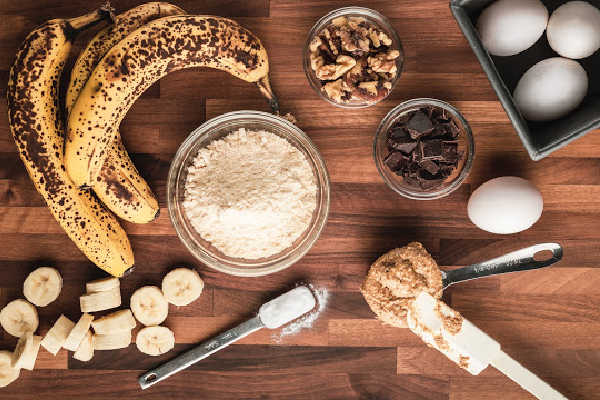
(287, 307)
(251, 194)
(307, 320)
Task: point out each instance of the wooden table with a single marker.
(547, 319)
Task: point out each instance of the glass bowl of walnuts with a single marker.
(353, 57)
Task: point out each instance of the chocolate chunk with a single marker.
(423, 147)
(431, 149)
(430, 166)
(406, 147)
(396, 161)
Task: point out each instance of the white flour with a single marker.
(307, 321)
(251, 194)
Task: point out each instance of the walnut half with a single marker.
(332, 72)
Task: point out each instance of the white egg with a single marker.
(574, 30)
(505, 205)
(551, 89)
(508, 27)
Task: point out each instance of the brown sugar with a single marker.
(396, 278)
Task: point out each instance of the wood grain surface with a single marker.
(549, 319)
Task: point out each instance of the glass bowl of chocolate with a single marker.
(353, 57)
(424, 149)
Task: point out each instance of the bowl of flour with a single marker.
(248, 193)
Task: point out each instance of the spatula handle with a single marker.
(519, 260)
(199, 352)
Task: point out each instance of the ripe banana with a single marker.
(100, 301)
(57, 335)
(78, 332)
(155, 340)
(85, 351)
(115, 322)
(119, 340)
(42, 286)
(102, 285)
(149, 305)
(26, 352)
(181, 286)
(136, 62)
(19, 317)
(33, 114)
(120, 186)
(8, 374)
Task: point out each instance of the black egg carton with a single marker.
(539, 138)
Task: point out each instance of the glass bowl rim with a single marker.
(338, 12)
(323, 202)
(468, 163)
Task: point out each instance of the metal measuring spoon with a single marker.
(520, 260)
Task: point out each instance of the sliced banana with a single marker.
(18, 317)
(26, 351)
(43, 286)
(181, 286)
(119, 340)
(8, 374)
(102, 285)
(149, 305)
(118, 321)
(57, 335)
(155, 340)
(78, 332)
(85, 351)
(100, 301)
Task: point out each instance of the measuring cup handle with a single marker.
(520, 260)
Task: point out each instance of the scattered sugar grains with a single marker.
(251, 194)
(307, 320)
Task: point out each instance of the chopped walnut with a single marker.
(316, 61)
(334, 90)
(370, 87)
(333, 71)
(339, 21)
(314, 44)
(353, 60)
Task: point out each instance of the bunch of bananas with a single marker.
(90, 174)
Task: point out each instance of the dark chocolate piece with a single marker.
(423, 147)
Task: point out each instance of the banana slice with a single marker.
(42, 286)
(102, 285)
(85, 351)
(18, 317)
(57, 335)
(26, 351)
(155, 340)
(119, 340)
(100, 301)
(8, 374)
(78, 332)
(149, 305)
(116, 322)
(181, 286)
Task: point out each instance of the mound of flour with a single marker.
(250, 194)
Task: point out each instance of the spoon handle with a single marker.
(200, 352)
(520, 260)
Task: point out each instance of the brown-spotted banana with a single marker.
(38, 131)
(119, 185)
(147, 54)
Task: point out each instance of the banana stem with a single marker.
(77, 24)
(265, 88)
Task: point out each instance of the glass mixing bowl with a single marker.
(218, 128)
(397, 183)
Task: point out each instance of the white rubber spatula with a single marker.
(470, 347)
(272, 315)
